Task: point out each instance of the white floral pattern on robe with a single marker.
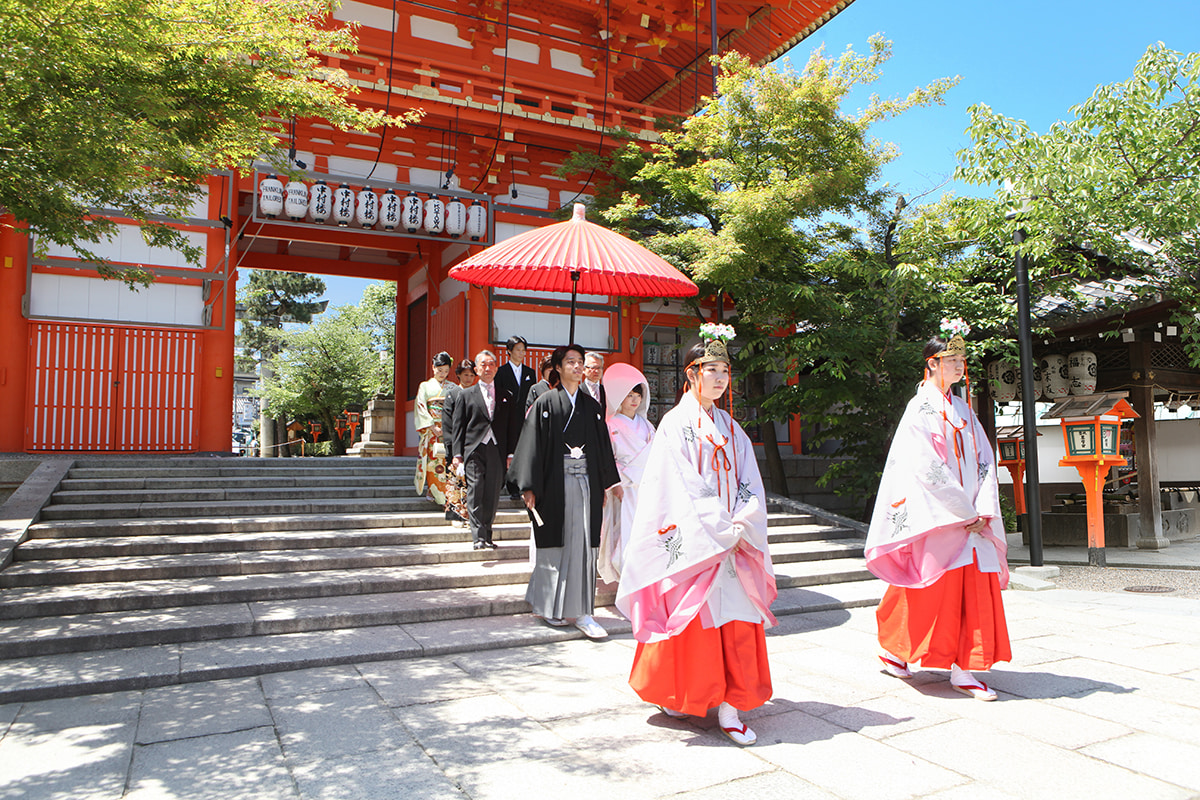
(698, 543)
(928, 493)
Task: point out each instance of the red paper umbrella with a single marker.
(574, 256)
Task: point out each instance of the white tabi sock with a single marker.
(727, 716)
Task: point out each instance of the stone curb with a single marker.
(24, 507)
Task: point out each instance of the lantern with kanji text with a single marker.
(1091, 426)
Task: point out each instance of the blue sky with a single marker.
(1029, 59)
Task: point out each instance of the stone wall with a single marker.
(802, 473)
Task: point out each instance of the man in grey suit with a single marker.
(484, 428)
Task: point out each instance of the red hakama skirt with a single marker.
(957, 620)
(700, 668)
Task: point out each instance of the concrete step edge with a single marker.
(78, 674)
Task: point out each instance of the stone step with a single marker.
(245, 468)
(144, 460)
(71, 529)
(123, 526)
(106, 630)
(401, 480)
(188, 564)
(234, 508)
(251, 493)
(43, 549)
(42, 677)
(463, 568)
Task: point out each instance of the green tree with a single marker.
(1120, 178)
(126, 105)
(771, 194)
(321, 369)
(270, 299)
(378, 310)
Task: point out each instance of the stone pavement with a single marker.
(1102, 701)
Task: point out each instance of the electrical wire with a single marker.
(603, 111)
(503, 90)
(387, 103)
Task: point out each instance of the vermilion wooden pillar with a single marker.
(214, 414)
(14, 337)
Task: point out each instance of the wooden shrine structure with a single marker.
(509, 90)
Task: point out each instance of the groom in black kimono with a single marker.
(562, 466)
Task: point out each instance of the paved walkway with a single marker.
(1102, 701)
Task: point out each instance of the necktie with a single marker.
(490, 397)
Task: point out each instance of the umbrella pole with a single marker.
(574, 286)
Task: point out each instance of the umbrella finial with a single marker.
(580, 213)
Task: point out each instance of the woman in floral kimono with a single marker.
(937, 537)
(427, 419)
(697, 581)
(628, 398)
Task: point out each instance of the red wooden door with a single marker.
(108, 388)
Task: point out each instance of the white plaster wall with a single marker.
(351, 167)
(527, 196)
(370, 16)
(79, 297)
(569, 62)
(128, 247)
(542, 328)
(435, 31)
(1178, 453)
(521, 51)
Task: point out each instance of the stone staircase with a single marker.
(166, 570)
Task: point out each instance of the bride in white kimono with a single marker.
(697, 582)
(628, 396)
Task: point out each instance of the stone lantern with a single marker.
(1091, 426)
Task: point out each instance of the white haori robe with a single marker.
(631, 439)
(698, 543)
(940, 475)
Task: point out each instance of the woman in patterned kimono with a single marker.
(937, 537)
(427, 419)
(628, 398)
(697, 581)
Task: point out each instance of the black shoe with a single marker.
(490, 545)
(480, 545)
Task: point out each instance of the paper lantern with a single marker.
(456, 217)
(1081, 366)
(411, 212)
(476, 221)
(389, 210)
(295, 200)
(270, 197)
(1056, 381)
(1002, 375)
(367, 213)
(435, 215)
(320, 201)
(343, 205)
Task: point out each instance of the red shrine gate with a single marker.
(509, 90)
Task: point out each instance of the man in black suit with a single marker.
(465, 371)
(593, 371)
(485, 423)
(515, 376)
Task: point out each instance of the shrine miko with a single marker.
(936, 535)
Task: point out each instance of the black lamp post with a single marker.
(1033, 504)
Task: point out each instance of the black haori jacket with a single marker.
(537, 465)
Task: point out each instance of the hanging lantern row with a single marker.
(1054, 378)
(389, 211)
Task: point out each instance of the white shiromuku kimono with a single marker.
(631, 438)
(940, 475)
(699, 550)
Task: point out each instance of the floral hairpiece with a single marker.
(711, 331)
(955, 327)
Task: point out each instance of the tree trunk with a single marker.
(336, 445)
(776, 480)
